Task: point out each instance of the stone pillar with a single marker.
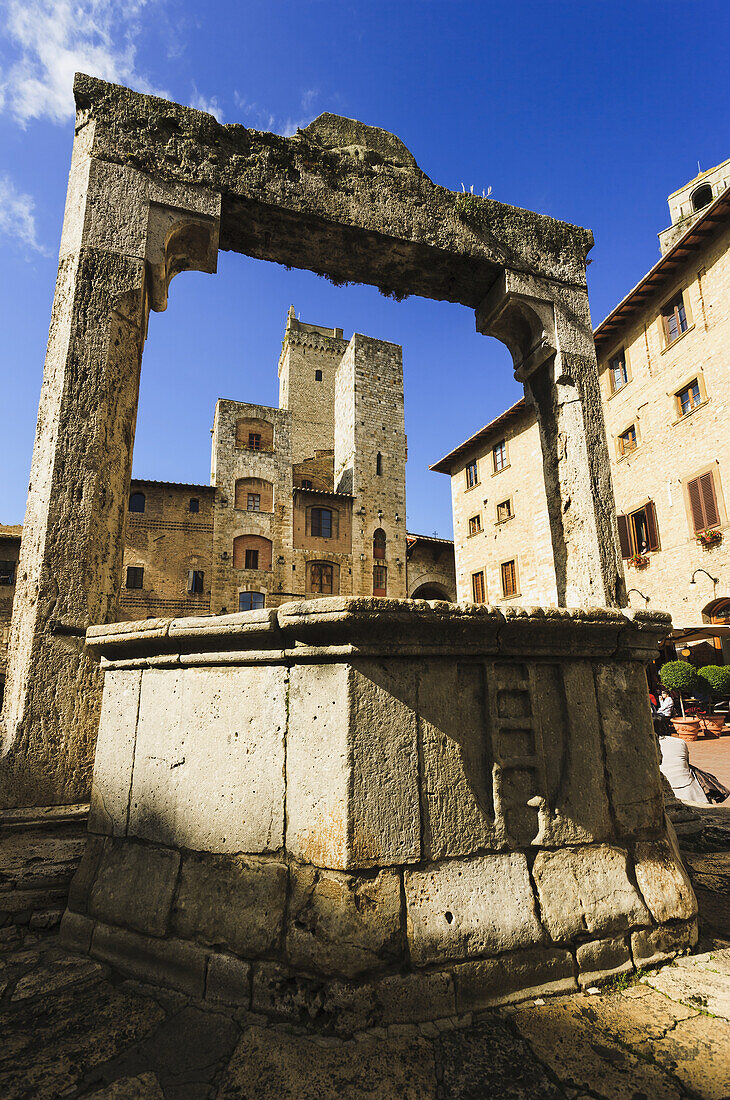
(547, 328)
(123, 239)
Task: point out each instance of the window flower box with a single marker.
(709, 538)
(638, 561)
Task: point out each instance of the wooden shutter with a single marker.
(335, 524)
(624, 538)
(652, 531)
(709, 499)
(239, 551)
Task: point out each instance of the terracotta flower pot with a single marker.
(712, 724)
(686, 728)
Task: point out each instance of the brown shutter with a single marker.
(709, 500)
(623, 536)
(695, 503)
(308, 521)
(335, 524)
(239, 552)
(651, 526)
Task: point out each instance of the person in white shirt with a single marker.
(666, 705)
(675, 766)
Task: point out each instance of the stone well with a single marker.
(362, 812)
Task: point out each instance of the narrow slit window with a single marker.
(472, 474)
(379, 465)
(318, 376)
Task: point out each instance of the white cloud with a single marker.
(53, 39)
(205, 103)
(262, 119)
(17, 218)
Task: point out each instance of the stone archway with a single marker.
(431, 591)
(156, 188)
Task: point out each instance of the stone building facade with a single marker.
(305, 500)
(662, 355)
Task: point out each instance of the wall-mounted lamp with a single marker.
(715, 580)
(636, 590)
(397, 518)
(380, 514)
(224, 555)
(362, 557)
(280, 560)
(360, 511)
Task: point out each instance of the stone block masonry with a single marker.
(354, 813)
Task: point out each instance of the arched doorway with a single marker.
(718, 611)
(430, 592)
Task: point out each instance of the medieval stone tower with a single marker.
(310, 497)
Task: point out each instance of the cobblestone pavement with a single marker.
(70, 1027)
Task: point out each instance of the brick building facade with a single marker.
(662, 355)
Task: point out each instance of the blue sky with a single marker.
(592, 112)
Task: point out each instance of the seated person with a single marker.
(675, 766)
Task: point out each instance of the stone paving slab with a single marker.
(73, 1028)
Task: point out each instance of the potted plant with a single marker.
(710, 537)
(639, 561)
(681, 676)
(715, 681)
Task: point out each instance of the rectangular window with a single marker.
(251, 560)
(627, 441)
(321, 523)
(504, 510)
(478, 594)
(380, 580)
(472, 474)
(674, 317)
(250, 601)
(689, 398)
(7, 572)
(618, 372)
(253, 502)
(638, 532)
(254, 441)
(703, 502)
(318, 376)
(320, 578)
(499, 456)
(195, 581)
(194, 505)
(509, 578)
(135, 576)
(475, 525)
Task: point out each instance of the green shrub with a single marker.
(679, 676)
(717, 679)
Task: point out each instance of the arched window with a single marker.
(379, 465)
(136, 502)
(323, 523)
(322, 578)
(379, 543)
(251, 552)
(701, 196)
(253, 494)
(253, 434)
